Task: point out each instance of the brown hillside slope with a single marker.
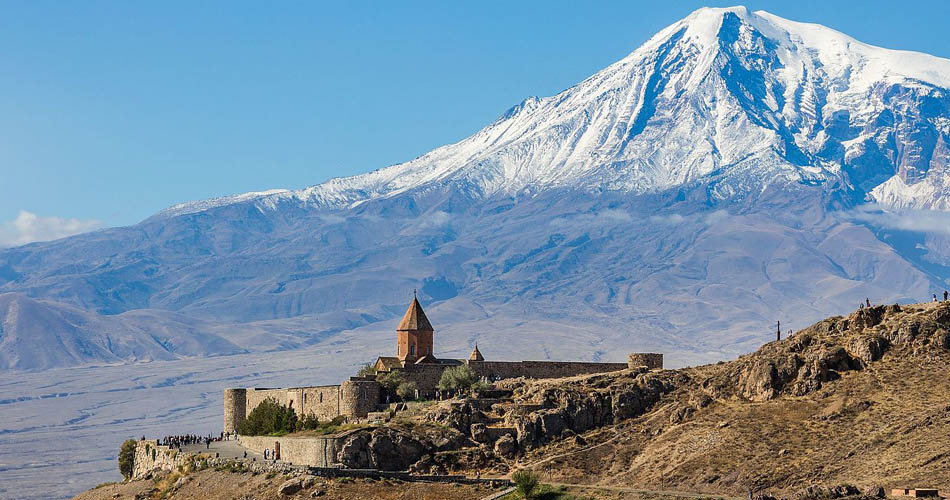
(861, 400)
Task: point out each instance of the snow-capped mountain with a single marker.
(731, 99)
(682, 199)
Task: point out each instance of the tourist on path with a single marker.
(944, 295)
(867, 301)
(935, 297)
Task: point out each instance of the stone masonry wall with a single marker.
(235, 408)
(322, 401)
(426, 377)
(651, 360)
(150, 456)
(315, 451)
(541, 369)
(359, 397)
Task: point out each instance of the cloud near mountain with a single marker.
(28, 227)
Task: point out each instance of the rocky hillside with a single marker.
(229, 485)
(861, 400)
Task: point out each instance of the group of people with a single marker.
(189, 439)
(946, 297)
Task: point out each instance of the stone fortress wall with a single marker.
(326, 402)
(651, 360)
(358, 396)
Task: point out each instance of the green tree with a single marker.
(270, 417)
(308, 422)
(457, 378)
(526, 483)
(391, 380)
(407, 390)
(366, 370)
(127, 458)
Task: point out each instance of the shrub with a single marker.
(407, 390)
(127, 458)
(270, 417)
(366, 370)
(526, 483)
(457, 378)
(482, 386)
(308, 422)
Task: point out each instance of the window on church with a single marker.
(412, 350)
(305, 398)
(321, 397)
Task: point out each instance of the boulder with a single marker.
(506, 446)
(479, 433)
(290, 487)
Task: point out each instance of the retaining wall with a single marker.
(313, 451)
(150, 456)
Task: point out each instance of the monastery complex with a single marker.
(357, 397)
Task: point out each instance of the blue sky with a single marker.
(111, 111)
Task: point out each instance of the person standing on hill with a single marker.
(944, 295)
(935, 297)
(867, 301)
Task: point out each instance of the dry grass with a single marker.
(886, 425)
(220, 485)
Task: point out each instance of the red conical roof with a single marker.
(415, 318)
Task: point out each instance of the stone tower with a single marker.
(414, 334)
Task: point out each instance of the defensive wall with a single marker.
(540, 369)
(166, 460)
(651, 360)
(151, 456)
(355, 397)
(320, 451)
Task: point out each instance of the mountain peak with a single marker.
(725, 101)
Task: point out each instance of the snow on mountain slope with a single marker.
(727, 98)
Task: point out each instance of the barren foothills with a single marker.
(849, 406)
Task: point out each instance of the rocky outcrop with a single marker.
(819, 354)
(818, 492)
(381, 448)
(390, 449)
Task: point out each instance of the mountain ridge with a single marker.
(705, 182)
(705, 30)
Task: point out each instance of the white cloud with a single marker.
(29, 227)
(923, 221)
(434, 219)
(708, 218)
(608, 216)
(671, 219)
